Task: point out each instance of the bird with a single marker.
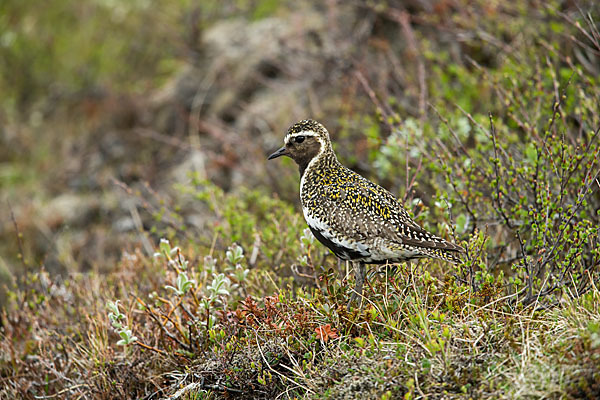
(357, 219)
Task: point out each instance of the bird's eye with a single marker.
(299, 139)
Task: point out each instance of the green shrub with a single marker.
(524, 174)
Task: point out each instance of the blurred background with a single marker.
(148, 249)
(110, 109)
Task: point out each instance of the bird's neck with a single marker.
(321, 162)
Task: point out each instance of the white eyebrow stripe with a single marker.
(296, 134)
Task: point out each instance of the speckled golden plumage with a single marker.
(357, 219)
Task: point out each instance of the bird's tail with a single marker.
(453, 255)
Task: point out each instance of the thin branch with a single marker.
(21, 254)
(499, 193)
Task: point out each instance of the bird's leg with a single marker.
(359, 274)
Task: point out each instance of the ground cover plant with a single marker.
(484, 119)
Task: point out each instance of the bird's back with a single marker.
(359, 220)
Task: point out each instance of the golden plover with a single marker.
(355, 218)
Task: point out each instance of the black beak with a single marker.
(281, 152)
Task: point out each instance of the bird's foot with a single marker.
(359, 273)
(355, 297)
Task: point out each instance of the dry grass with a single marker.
(407, 342)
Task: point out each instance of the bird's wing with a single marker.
(363, 210)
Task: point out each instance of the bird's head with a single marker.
(304, 141)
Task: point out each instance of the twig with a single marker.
(527, 266)
(386, 114)
(137, 221)
(52, 396)
(262, 355)
(592, 38)
(21, 254)
(403, 18)
(149, 311)
(499, 193)
(145, 346)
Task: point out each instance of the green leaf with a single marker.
(461, 223)
(531, 153)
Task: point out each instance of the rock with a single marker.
(69, 209)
